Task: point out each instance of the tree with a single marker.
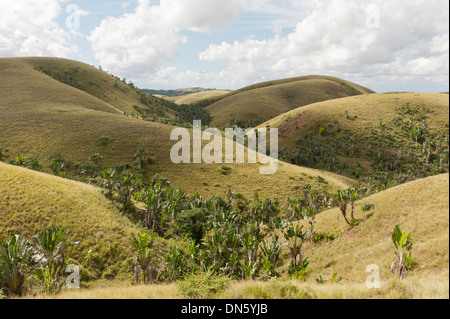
(51, 244)
(16, 255)
(403, 244)
(126, 185)
(145, 258)
(341, 200)
(295, 237)
(271, 252)
(154, 198)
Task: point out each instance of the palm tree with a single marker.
(154, 198)
(295, 237)
(353, 197)
(16, 255)
(51, 244)
(341, 199)
(271, 251)
(145, 258)
(403, 243)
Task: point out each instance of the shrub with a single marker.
(104, 141)
(203, 286)
(225, 170)
(319, 237)
(403, 258)
(368, 207)
(34, 164)
(16, 258)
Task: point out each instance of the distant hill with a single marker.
(194, 98)
(270, 99)
(178, 92)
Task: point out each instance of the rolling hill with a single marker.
(195, 97)
(41, 116)
(403, 135)
(420, 207)
(32, 201)
(270, 99)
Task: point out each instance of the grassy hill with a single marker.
(420, 207)
(33, 201)
(41, 117)
(270, 99)
(196, 97)
(35, 73)
(403, 135)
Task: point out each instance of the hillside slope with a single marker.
(32, 201)
(196, 97)
(54, 117)
(50, 74)
(420, 207)
(270, 99)
(361, 135)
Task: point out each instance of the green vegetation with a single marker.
(51, 245)
(403, 258)
(16, 256)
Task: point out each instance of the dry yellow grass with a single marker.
(32, 201)
(26, 84)
(270, 99)
(423, 288)
(40, 116)
(369, 110)
(195, 97)
(420, 207)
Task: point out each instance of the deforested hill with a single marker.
(58, 123)
(420, 207)
(384, 138)
(33, 201)
(267, 100)
(61, 80)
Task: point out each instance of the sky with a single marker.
(388, 46)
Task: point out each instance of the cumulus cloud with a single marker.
(139, 42)
(29, 28)
(339, 37)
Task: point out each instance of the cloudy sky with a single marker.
(386, 45)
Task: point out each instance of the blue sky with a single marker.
(400, 45)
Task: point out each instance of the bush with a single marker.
(368, 207)
(319, 237)
(225, 170)
(276, 289)
(104, 141)
(202, 286)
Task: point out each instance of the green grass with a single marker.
(270, 99)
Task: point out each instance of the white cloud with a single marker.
(335, 39)
(29, 28)
(140, 42)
